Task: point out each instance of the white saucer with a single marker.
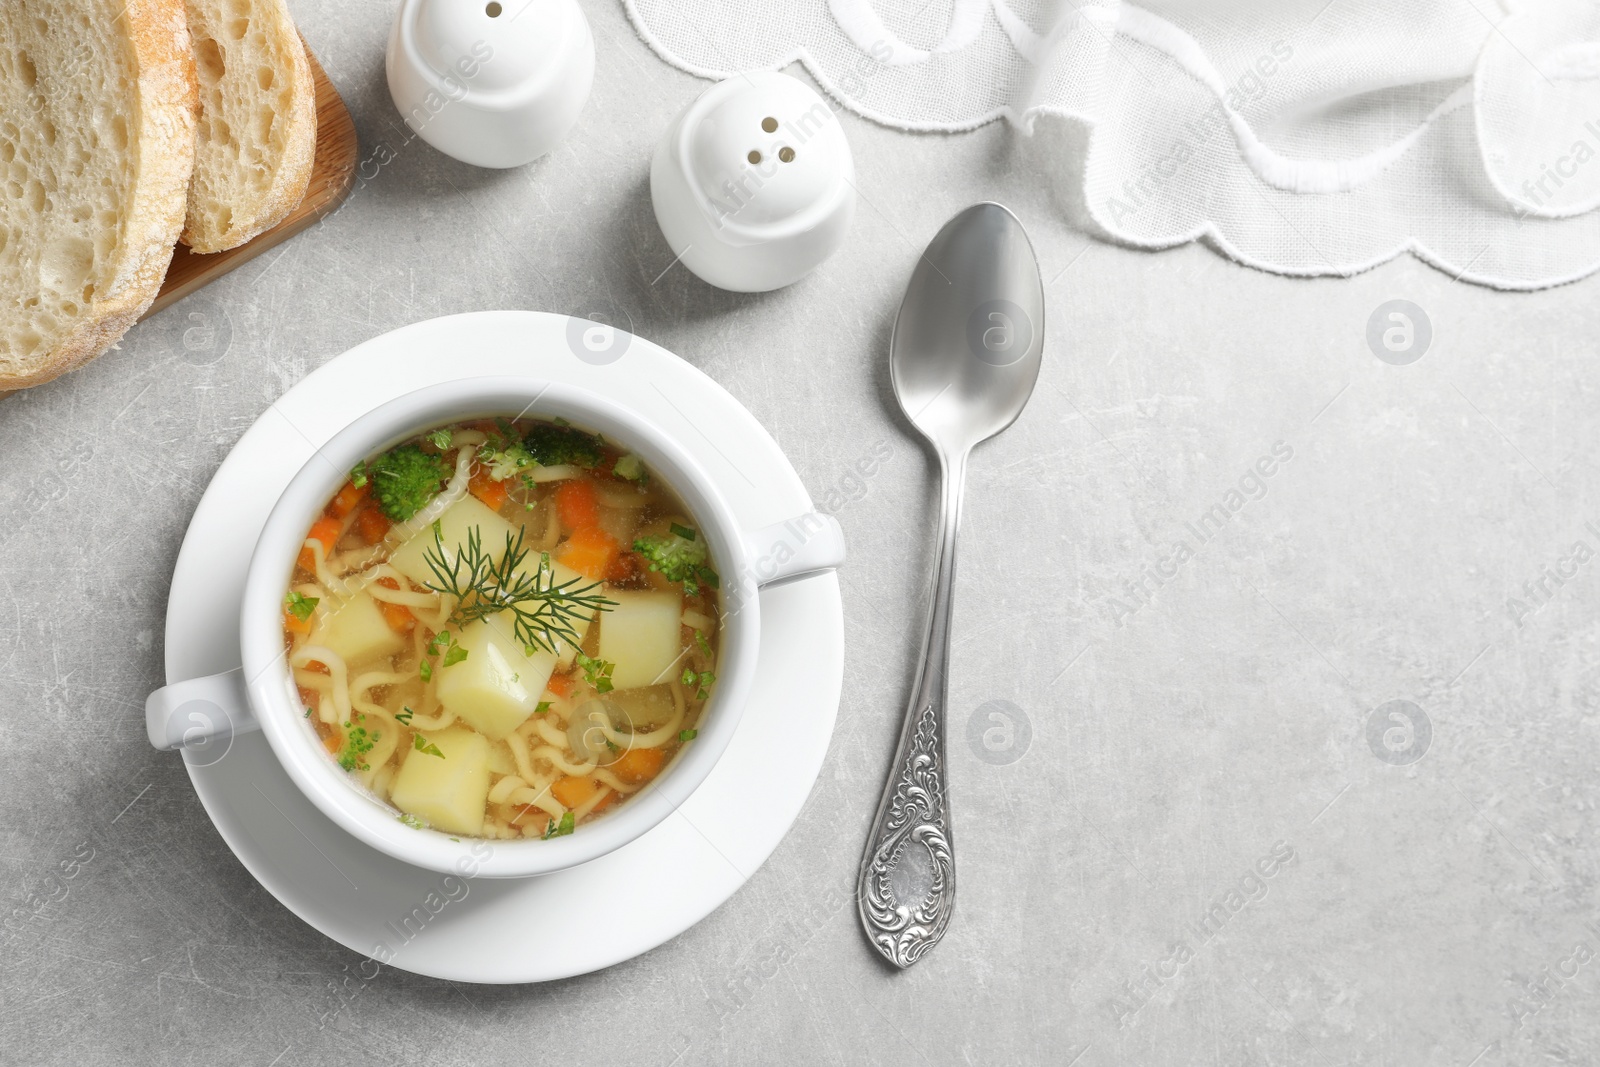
(591, 916)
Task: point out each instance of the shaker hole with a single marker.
(754, 156)
(493, 10)
(769, 124)
(786, 154)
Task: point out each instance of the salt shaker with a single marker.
(494, 84)
(753, 183)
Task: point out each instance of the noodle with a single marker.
(559, 762)
(559, 473)
(607, 778)
(540, 798)
(552, 530)
(501, 792)
(521, 756)
(549, 734)
(336, 669)
(404, 595)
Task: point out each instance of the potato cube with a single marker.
(449, 791)
(498, 685)
(458, 519)
(355, 628)
(640, 636)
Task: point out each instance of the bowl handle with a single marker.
(804, 545)
(199, 710)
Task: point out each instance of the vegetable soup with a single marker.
(503, 628)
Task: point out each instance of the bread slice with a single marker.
(97, 128)
(258, 121)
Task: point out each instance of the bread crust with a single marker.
(293, 175)
(158, 33)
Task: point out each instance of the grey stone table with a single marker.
(1220, 844)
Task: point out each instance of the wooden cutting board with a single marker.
(333, 174)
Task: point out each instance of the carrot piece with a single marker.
(296, 625)
(317, 668)
(578, 504)
(492, 493)
(398, 616)
(346, 499)
(326, 529)
(571, 792)
(591, 552)
(639, 765)
(624, 567)
(333, 741)
(560, 685)
(373, 525)
(604, 804)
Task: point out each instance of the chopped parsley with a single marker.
(440, 438)
(425, 746)
(308, 713)
(300, 606)
(357, 743)
(561, 829)
(414, 821)
(597, 672)
(426, 671)
(445, 642)
(680, 556)
(705, 646)
(688, 735)
(543, 706)
(404, 717)
(701, 682)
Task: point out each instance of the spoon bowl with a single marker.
(969, 339)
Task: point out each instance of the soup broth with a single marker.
(505, 628)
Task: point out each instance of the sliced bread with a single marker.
(97, 130)
(258, 121)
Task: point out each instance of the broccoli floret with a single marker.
(504, 460)
(551, 445)
(679, 556)
(404, 480)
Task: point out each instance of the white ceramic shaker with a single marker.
(494, 83)
(753, 183)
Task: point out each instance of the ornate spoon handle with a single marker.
(911, 833)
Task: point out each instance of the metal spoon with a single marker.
(964, 358)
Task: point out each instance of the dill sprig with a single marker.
(545, 611)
